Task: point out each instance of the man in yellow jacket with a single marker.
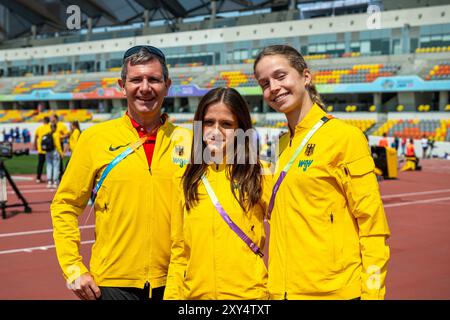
(38, 134)
(63, 133)
(129, 162)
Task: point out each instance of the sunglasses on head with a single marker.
(150, 49)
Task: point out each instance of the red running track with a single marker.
(417, 206)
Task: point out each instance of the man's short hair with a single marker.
(141, 57)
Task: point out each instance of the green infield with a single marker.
(22, 164)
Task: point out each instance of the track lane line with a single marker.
(415, 202)
(24, 233)
(42, 248)
(414, 193)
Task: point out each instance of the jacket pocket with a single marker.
(360, 176)
(336, 249)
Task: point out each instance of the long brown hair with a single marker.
(246, 176)
(296, 61)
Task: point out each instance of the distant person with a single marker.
(431, 142)
(63, 133)
(412, 161)
(384, 141)
(11, 135)
(74, 135)
(51, 143)
(16, 135)
(396, 143)
(410, 152)
(403, 145)
(26, 135)
(424, 143)
(39, 133)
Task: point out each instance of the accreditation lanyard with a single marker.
(253, 246)
(286, 168)
(115, 161)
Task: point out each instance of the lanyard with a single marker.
(123, 155)
(286, 168)
(115, 161)
(253, 246)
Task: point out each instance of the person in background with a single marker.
(403, 146)
(424, 143)
(17, 135)
(53, 158)
(63, 133)
(38, 134)
(396, 143)
(383, 141)
(431, 142)
(73, 138)
(328, 228)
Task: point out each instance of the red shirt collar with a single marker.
(140, 129)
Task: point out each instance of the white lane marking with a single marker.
(415, 202)
(24, 233)
(28, 186)
(414, 193)
(21, 178)
(42, 248)
(33, 191)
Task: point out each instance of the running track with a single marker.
(417, 206)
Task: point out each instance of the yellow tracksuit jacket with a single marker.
(132, 208)
(209, 260)
(73, 139)
(57, 143)
(39, 133)
(328, 226)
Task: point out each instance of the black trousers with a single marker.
(40, 166)
(121, 293)
(61, 168)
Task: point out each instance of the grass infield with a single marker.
(22, 164)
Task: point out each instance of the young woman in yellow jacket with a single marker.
(328, 226)
(218, 237)
(74, 135)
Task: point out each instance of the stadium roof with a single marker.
(48, 16)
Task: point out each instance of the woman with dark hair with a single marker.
(219, 237)
(328, 226)
(74, 135)
(75, 132)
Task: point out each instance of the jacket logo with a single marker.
(111, 148)
(179, 150)
(304, 164)
(181, 162)
(309, 149)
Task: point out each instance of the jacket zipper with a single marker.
(333, 237)
(286, 263)
(213, 244)
(147, 283)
